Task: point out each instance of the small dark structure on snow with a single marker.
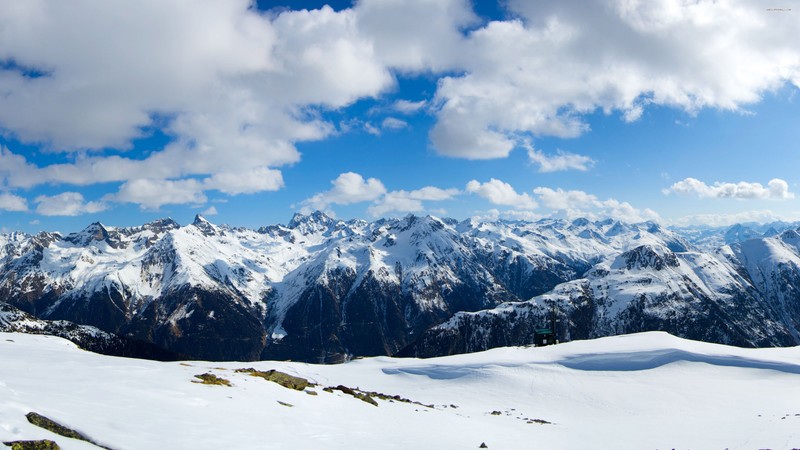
(543, 336)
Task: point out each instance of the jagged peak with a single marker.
(315, 222)
(771, 231)
(646, 256)
(653, 227)
(162, 224)
(205, 227)
(317, 217)
(96, 232)
(96, 226)
(580, 222)
(200, 220)
(616, 229)
(790, 235)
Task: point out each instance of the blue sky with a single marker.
(246, 113)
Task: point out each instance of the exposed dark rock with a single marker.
(210, 378)
(55, 427)
(43, 444)
(284, 379)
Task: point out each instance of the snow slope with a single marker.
(649, 390)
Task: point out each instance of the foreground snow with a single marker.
(648, 390)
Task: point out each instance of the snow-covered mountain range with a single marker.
(324, 290)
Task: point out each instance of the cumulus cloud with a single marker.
(66, 204)
(257, 179)
(539, 75)
(560, 161)
(348, 188)
(153, 193)
(501, 193)
(11, 202)
(776, 189)
(210, 211)
(576, 203)
(237, 89)
(410, 201)
(437, 41)
(560, 199)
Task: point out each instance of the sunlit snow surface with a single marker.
(648, 390)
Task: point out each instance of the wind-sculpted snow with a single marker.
(648, 360)
(322, 289)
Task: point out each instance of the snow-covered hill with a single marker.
(648, 390)
(325, 290)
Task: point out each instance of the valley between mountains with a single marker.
(325, 290)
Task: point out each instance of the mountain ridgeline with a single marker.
(325, 290)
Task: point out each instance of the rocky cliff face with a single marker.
(12, 320)
(324, 290)
(746, 295)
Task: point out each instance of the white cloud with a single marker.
(776, 189)
(408, 107)
(576, 203)
(372, 129)
(350, 187)
(560, 161)
(410, 201)
(436, 42)
(347, 188)
(233, 87)
(210, 211)
(501, 193)
(560, 199)
(66, 204)
(153, 193)
(393, 123)
(626, 212)
(258, 179)
(562, 60)
(11, 202)
(237, 89)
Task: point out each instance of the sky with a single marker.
(682, 112)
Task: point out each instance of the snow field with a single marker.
(648, 390)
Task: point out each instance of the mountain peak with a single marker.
(163, 224)
(314, 222)
(645, 257)
(98, 232)
(205, 227)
